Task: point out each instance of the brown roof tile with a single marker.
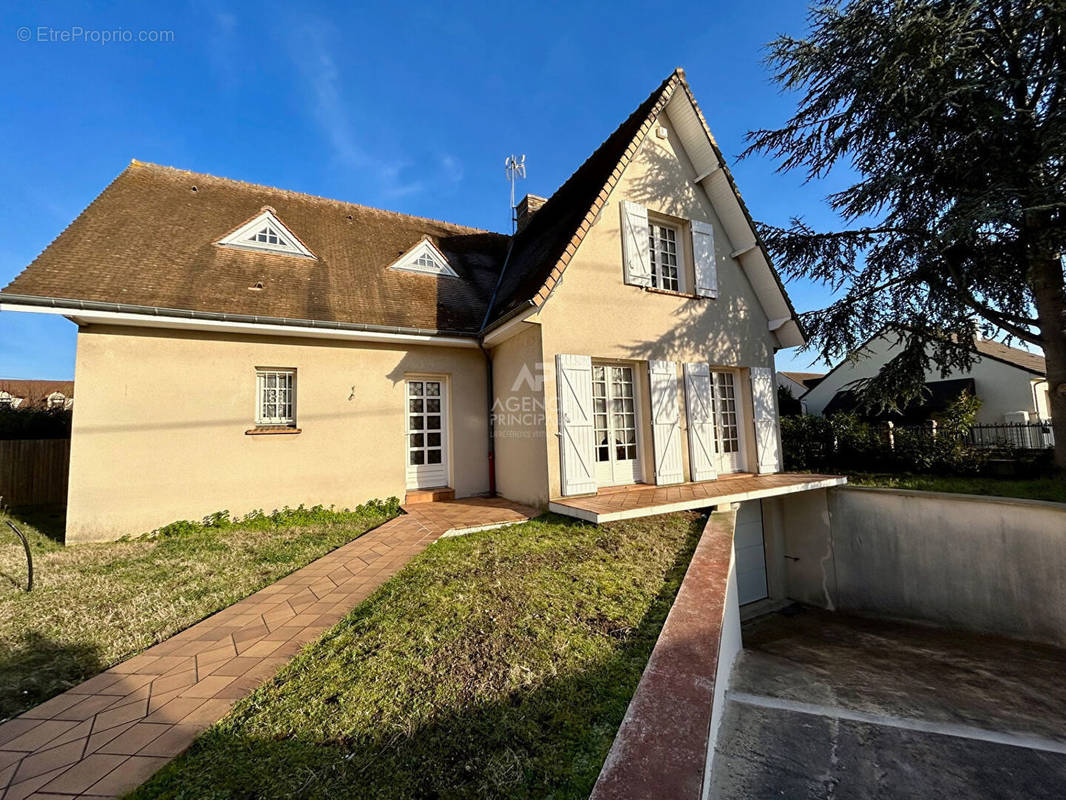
(149, 240)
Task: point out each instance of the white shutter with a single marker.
(767, 432)
(576, 434)
(635, 244)
(699, 406)
(704, 258)
(666, 422)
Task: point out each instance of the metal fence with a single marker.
(1036, 435)
(1014, 435)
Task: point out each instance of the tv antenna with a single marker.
(515, 167)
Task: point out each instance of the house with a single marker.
(797, 383)
(1011, 383)
(25, 394)
(303, 350)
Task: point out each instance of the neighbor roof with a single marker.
(34, 392)
(150, 240)
(808, 379)
(1031, 362)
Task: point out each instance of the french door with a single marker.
(427, 433)
(614, 409)
(728, 427)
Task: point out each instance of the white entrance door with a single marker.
(729, 427)
(615, 424)
(427, 433)
(750, 555)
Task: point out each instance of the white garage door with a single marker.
(751, 560)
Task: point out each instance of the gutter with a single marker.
(71, 307)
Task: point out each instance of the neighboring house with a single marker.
(1010, 383)
(27, 394)
(245, 347)
(797, 383)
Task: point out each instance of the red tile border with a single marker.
(660, 750)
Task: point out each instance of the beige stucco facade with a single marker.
(1002, 388)
(594, 312)
(160, 430)
(160, 426)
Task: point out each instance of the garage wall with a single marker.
(995, 565)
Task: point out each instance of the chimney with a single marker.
(527, 208)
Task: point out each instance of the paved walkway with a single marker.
(112, 732)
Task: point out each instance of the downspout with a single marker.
(490, 394)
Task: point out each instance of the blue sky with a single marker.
(409, 107)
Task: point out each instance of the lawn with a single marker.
(96, 604)
(1053, 489)
(495, 665)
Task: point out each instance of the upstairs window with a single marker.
(663, 255)
(266, 233)
(275, 397)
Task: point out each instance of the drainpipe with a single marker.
(490, 394)
(490, 397)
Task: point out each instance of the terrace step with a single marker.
(429, 495)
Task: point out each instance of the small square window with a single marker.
(275, 397)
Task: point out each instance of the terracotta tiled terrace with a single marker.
(112, 732)
(627, 502)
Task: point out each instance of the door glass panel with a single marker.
(425, 440)
(614, 415)
(726, 402)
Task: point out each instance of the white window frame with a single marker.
(654, 254)
(267, 218)
(261, 375)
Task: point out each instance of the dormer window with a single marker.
(266, 233)
(426, 258)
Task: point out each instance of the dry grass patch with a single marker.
(94, 605)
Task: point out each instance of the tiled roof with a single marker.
(149, 240)
(34, 392)
(1012, 355)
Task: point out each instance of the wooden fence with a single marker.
(34, 471)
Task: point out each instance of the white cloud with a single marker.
(330, 108)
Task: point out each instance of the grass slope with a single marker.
(498, 664)
(1053, 489)
(96, 604)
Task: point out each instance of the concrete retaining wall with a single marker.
(994, 565)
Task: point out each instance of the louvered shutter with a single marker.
(704, 258)
(576, 434)
(699, 406)
(635, 244)
(767, 432)
(666, 422)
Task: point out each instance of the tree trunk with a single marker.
(1050, 296)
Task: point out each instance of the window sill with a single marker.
(271, 430)
(672, 293)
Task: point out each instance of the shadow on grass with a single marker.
(550, 741)
(51, 521)
(35, 668)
